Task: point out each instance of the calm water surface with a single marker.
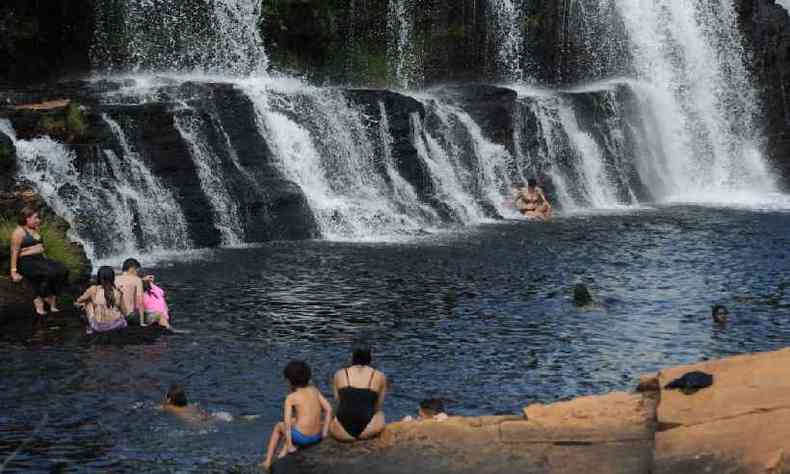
(482, 318)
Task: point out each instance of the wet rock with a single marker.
(581, 295)
(7, 161)
(766, 28)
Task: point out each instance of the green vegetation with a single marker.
(68, 123)
(58, 247)
(6, 156)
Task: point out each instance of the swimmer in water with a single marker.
(430, 409)
(532, 202)
(176, 403)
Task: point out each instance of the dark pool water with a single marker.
(482, 318)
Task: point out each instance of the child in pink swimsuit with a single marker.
(154, 304)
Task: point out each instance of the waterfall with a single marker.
(114, 204)
(506, 23)
(402, 55)
(212, 178)
(689, 64)
(219, 37)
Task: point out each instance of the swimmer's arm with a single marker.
(327, 414)
(287, 419)
(334, 388)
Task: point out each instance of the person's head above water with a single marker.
(298, 373)
(719, 313)
(361, 355)
(29, 217)
(131, 265)
(532, 182)
(431, 407)
(177, 396)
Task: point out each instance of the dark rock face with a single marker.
(491, 107)
(7, 161)
(41, 40)
(766, 28)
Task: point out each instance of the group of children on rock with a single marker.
(115, 301)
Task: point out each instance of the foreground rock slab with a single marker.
(741, 424)
(611, 433)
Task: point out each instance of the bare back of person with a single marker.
(306, 403)
(131, 287)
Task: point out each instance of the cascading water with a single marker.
(218, 37)
(506, 23)
(689, 63)
(114, 205)
(402, 55)
(215, 187)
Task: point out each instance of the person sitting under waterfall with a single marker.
(301, 426)
(531, 202)
(103, 303)
(46, 276)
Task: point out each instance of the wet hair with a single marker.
(147, 288)
(298, 373)
(532, 182)
(177, 396)
(518, 184)
(130, 263)
(106, 279)
(26, 213)
(719, 313)
(361, 355)
(432, 406)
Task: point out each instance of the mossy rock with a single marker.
(68, 124)
(7, 154)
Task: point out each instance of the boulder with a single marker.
(739, 424)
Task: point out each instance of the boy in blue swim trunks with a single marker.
(302, 425)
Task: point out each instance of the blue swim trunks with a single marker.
(301, 440)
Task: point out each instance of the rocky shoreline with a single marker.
(741, 424)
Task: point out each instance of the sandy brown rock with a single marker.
(754, 444)
(46, 105)
(742, 385)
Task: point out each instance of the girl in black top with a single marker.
(46, 276)
(360, 391)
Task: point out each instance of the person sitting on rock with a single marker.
(154, 304)
(131, 285)
(430, 409)
(360, 391)
(103, 303)
(47, 277)
(302, 425)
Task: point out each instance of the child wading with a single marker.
(302, 425)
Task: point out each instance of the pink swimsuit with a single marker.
(154, 301)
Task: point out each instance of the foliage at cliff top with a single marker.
(58, 247)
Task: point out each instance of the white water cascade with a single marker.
(506, 24)
(115, 205)
(209, 170)
(218, 37)
(690, 68)
(402, 55)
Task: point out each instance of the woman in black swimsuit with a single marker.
(46, 276)
(359, 391)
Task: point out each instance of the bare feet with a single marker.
(266, 465)
(39, 305)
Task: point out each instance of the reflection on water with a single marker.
(484, 319)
